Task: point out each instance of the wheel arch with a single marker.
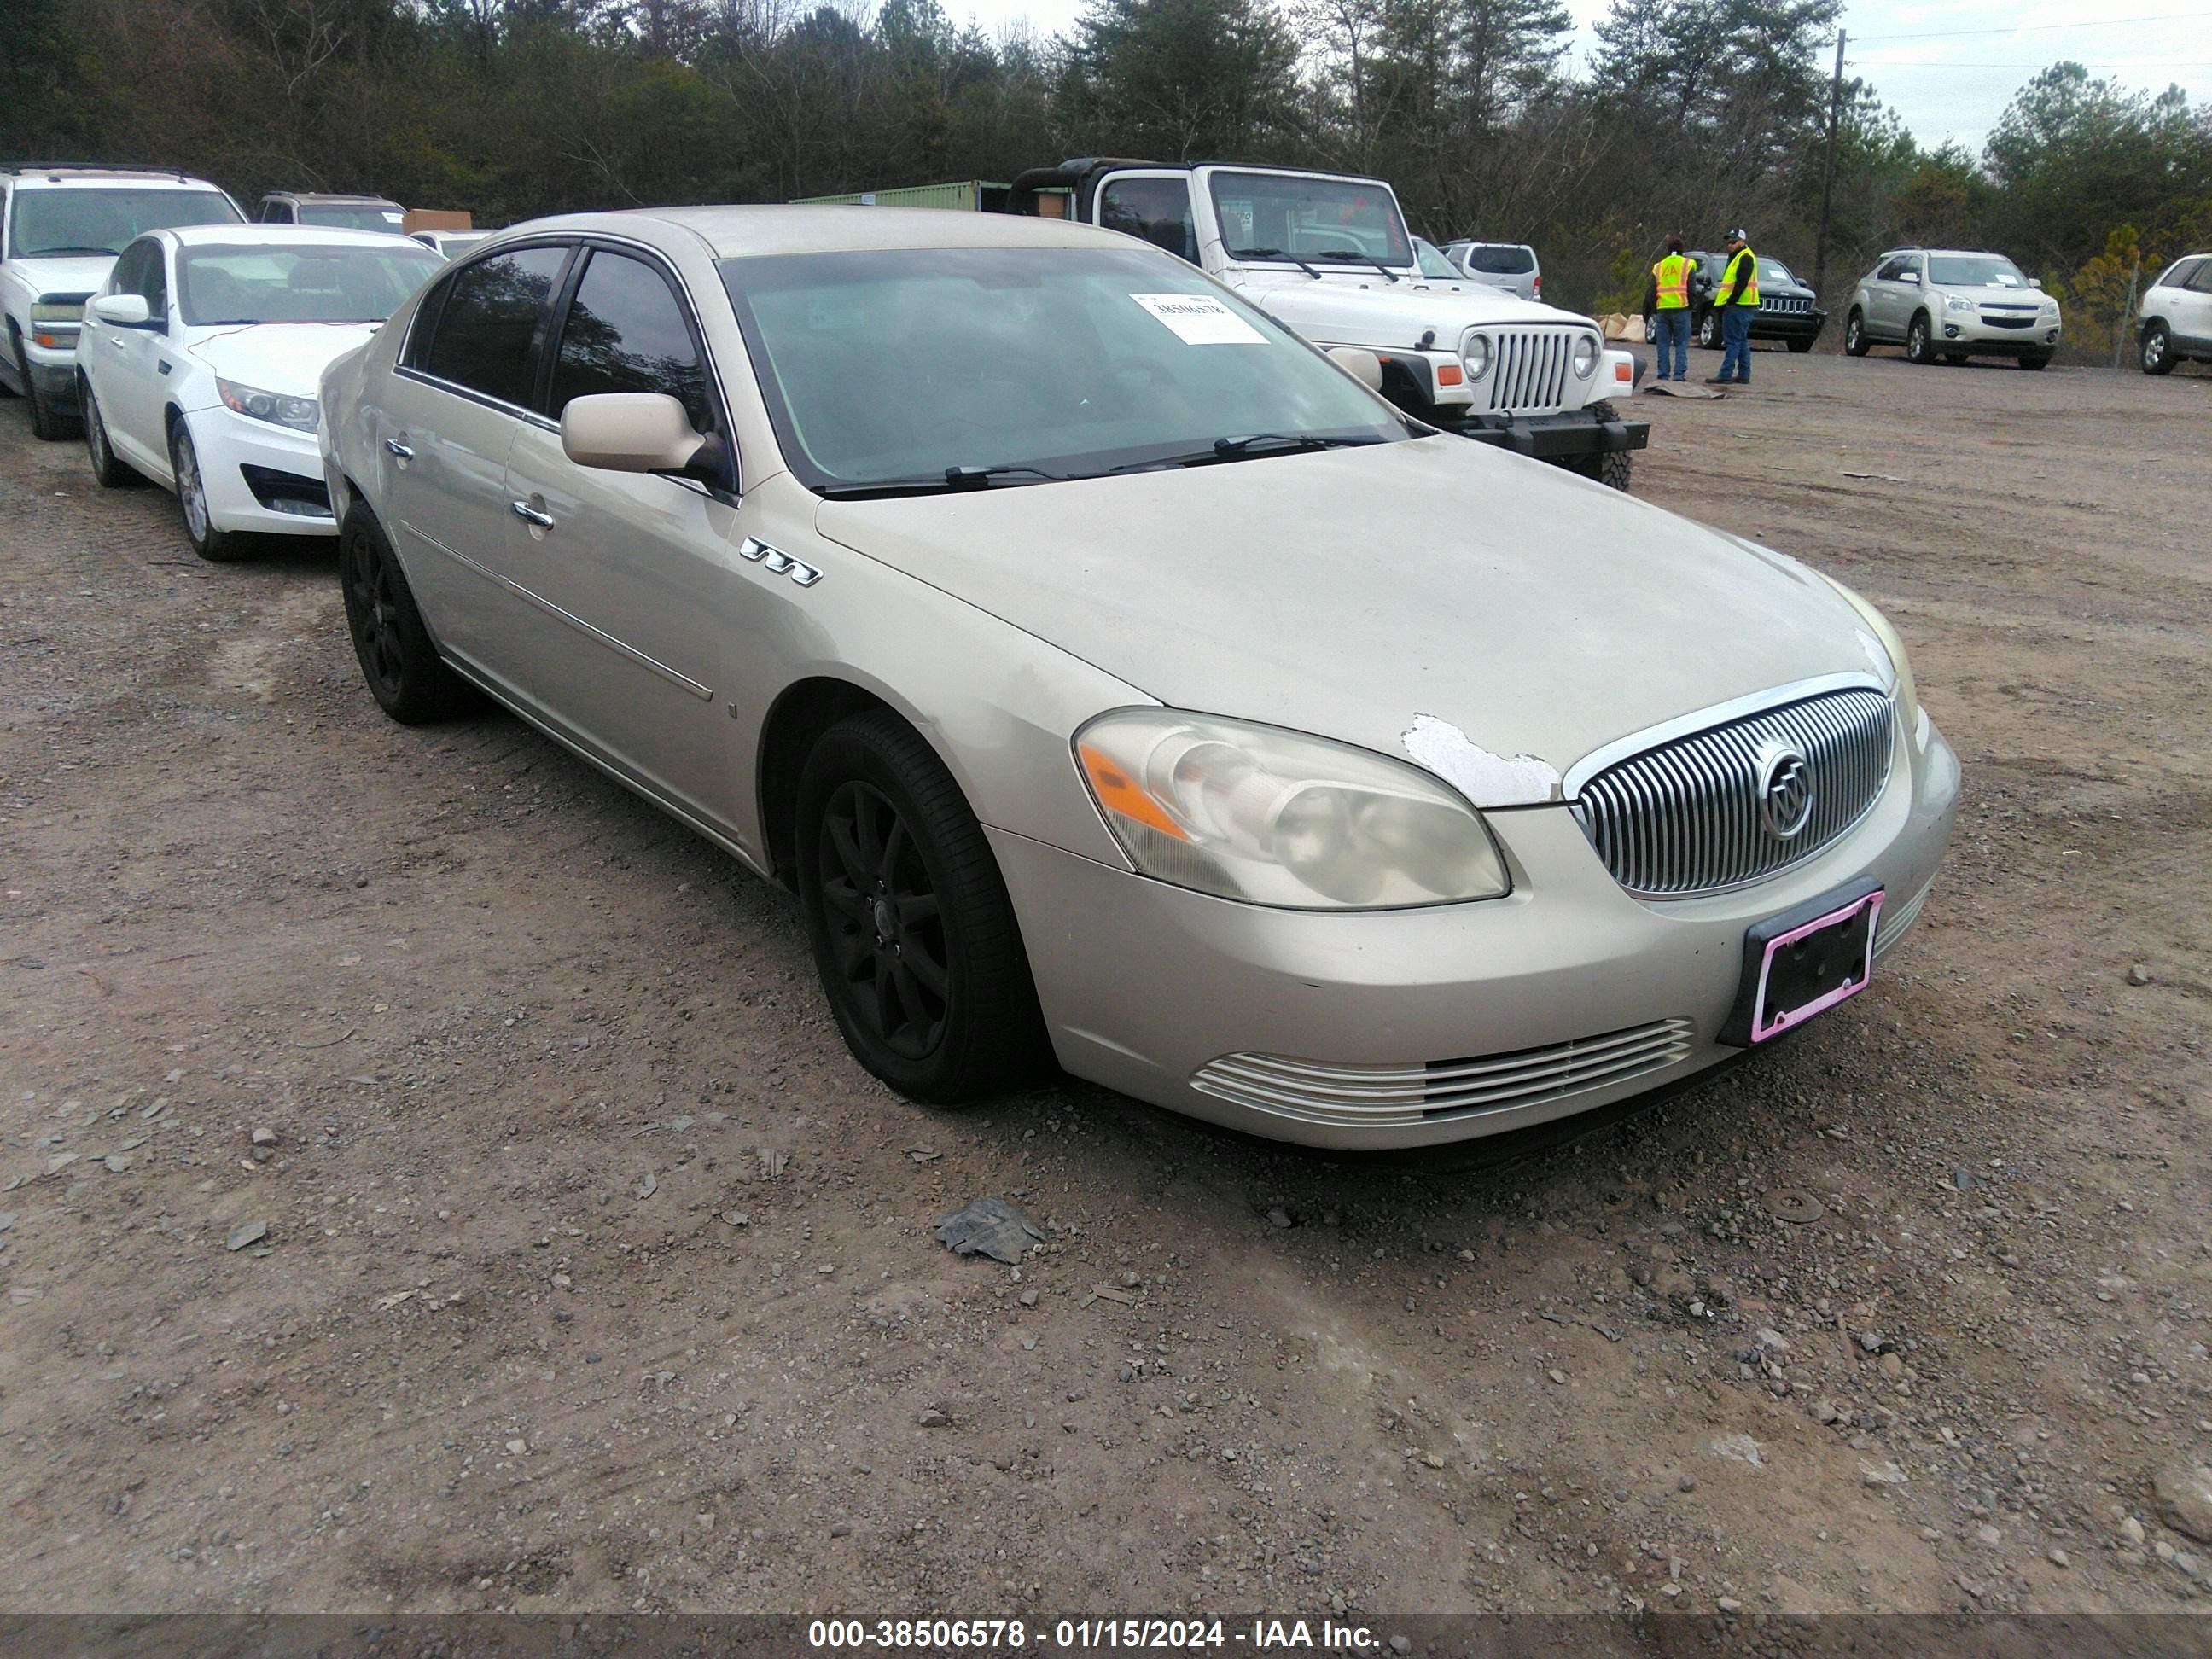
(801, 713)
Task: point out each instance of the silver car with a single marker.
(1952, 304)
(1512, 266)
(1119, 681)
(2175, 324)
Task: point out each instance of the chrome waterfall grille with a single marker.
(1528, 368)
(1381, 1095)
(1743, 801)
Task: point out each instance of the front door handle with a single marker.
(529, 514)
(400, 449)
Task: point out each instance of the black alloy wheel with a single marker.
(914, 935)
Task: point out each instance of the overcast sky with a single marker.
(1951, 87)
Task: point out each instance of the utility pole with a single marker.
(1828, 170)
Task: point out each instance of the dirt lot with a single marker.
(597, 1276)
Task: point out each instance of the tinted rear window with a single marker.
(1500, 260)
(486, 321)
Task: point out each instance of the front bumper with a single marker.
(53, 371)
(1572, 992)
(1554, 437)
(261, 477)
(1787, 324)
(1973, 337)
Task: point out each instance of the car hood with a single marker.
(1425, 598)
(1339, 311)
(73, 273)
(286, 357)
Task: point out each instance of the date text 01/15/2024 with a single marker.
(1123, 1635)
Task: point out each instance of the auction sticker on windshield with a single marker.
(1201, 319)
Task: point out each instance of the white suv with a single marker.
(61, 226)
(2177, 316)
(1952, 304)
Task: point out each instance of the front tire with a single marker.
(2157, 350)
(1798, 348)
(913, 933)
(398, 659)
(1854, 335)
(1613, 471)
(2038, 360)
(108, 471)
(47, 422)
(217, 546)
(1919, 341)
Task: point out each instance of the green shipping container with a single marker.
(971, 195)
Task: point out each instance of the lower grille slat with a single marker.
(1685, 816)
(1376, 1095)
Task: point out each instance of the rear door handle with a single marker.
(400, 449)
(529, 514)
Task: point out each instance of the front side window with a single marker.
(1433, 263)
(90, 219)
(289, 284)
(1973, 270)
(1322, 221)
(482, 335)
(1156, 209)
(885, 367)
(139, 271)
(625, 331)
(351, 217)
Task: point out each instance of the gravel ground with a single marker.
(435, 1183)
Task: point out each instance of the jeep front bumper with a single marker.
(1554, 437)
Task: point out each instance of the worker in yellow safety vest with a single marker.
(1738, 299)
(1666, 303)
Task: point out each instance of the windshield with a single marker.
(1432, 261)
(888, 366)
(300, 284)
(101, 220)
(356, 215)
(1973, 270)
(1326, 220)
(1775, 274)
(1500, 259)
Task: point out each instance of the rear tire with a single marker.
(110, 472)
(2040, 360)
(398, 659)
(1854, 335)
(1920, 341)
(2157, 350)
(914, 935)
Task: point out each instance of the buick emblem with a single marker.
(1786, 792)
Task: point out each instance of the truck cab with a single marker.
(1328, 255)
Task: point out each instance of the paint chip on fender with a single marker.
(1487, 779)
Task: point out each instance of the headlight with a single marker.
(1585, 357)
(1474, 356)
(275, 407)
(1908, 694)
(1953, 303)
(57, 311)
(1274, 817)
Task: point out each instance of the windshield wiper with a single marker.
(1340, 257)
(1274, 254)
(52, 253)
(952, 479)
(1249, 445)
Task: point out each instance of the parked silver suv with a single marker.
(1952, 304)
(1512, 266)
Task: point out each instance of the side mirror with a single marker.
(630, 432)
(124, 310)
(2035, 282)
(1911, 277)
(1363, 366)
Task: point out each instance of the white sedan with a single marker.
(199, 362)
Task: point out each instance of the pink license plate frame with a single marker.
(1870, 905)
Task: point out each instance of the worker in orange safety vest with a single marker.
(1667, 303)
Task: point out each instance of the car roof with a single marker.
(30, 176)
(328, 197)
(238, 235)
(734, 233)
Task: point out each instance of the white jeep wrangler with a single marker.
(1328, 255)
